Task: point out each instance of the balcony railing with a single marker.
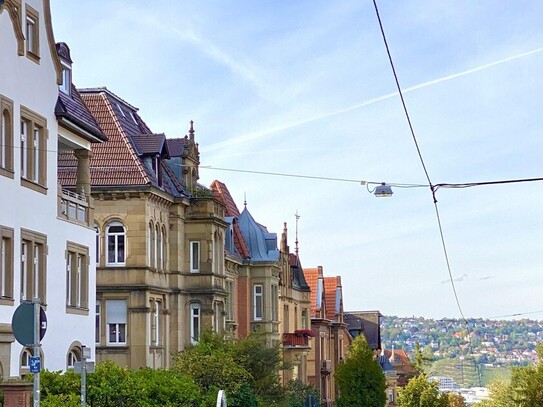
(293, 340)
(73, 207)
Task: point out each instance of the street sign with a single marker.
(22, 323)
(78, 367)
(34, 364)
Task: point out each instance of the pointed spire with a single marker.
(245, 199)
(191, 130)
(296, 249)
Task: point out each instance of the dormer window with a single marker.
(120, 109)
(66, 85)
(157, 169)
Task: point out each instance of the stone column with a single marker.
(83, 172)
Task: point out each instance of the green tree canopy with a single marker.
(360, 380)
(419, 392)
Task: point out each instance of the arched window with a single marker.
(74, 355)
(157, 247)
(116, 244)
(194, 323)
(97, 230)
(164, 248)
(25, 358)
(151, 245)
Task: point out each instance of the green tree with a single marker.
(419, 392)
(422, 359)
(360, 380)
(456, 400)
(500, 395)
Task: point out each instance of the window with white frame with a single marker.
(74, 355)
(6, 263)
(155, 322)
(218, 322)
(98, 322)
(97, 251)
(164, 250)
(194, 323)
(33, 266)
(66, 85)
(150, 246)
(158, 245)
(116, 244)
(77, 276)
(194, 257)
(116, 317)
(32, 34)
(305, 325)
(275, 303)
(25, 358)
(258, 305)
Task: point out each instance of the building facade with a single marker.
(47, 235)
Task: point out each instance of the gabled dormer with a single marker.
(152, 148)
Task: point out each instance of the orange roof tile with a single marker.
(330, 293)
(312, 276)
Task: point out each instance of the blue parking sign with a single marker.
(34, 365)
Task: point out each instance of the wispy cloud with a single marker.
(260, 134)
(456, 279)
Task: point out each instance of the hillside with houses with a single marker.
(487, 342)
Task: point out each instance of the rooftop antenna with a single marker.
(296, 242)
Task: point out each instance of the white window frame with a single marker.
(155, 323)
(98, 322)
(157, 247)
(116, 236)
(66, 84)
(195, 323)
(117, 322)
(24, 154)
(258, 302)
(230, 300)
(194, 256)
(73, 356)
(97, 252)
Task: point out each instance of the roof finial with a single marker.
(245, 199)
(191, 130)
(296, 241)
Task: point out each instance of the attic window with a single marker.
(133, 117)
(66, 79)
(120, 109)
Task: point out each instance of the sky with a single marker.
(305, 88)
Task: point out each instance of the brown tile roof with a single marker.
(151, 144)
(401, 362)
(222, 194)
(176, 146)
(330, 293)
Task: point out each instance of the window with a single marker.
(74, 355)
(6, 263)
(116, 315)
(33, 266)
(98, 322)
(194, 323)
(257, 302)
(25, 358)
(194, 257)
(155, 322)
(97, 251)
(157, 169)
(286, 319)
(32, 34)
(305, 325)
(66, 85)
(77, 276)
(229, 300)
(6, 137)
(151, 246)
(164, 249)
(275, 303)
(158, 247)
(33, 150)
(115, 244)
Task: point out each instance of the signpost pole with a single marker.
(36, 352)
(83, 378)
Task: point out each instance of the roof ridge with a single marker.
(104, 89)
(126, 139)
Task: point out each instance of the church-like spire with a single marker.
(296, 249)
(191, 130)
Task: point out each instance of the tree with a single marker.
(360, 380)
(422, 359)
(456, 400)
(419, 392)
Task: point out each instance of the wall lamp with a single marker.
(381, 190)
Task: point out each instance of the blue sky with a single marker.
(305, 87)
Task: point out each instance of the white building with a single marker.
(48, 238)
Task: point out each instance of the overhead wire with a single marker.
(432, 187)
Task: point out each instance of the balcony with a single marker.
(294, 340)
(73, 207)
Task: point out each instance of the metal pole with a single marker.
(83, 378)
(36, 352)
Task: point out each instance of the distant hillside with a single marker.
(471, 354)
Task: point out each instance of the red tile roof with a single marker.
(222, 194)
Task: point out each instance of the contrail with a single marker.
(256, 135)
